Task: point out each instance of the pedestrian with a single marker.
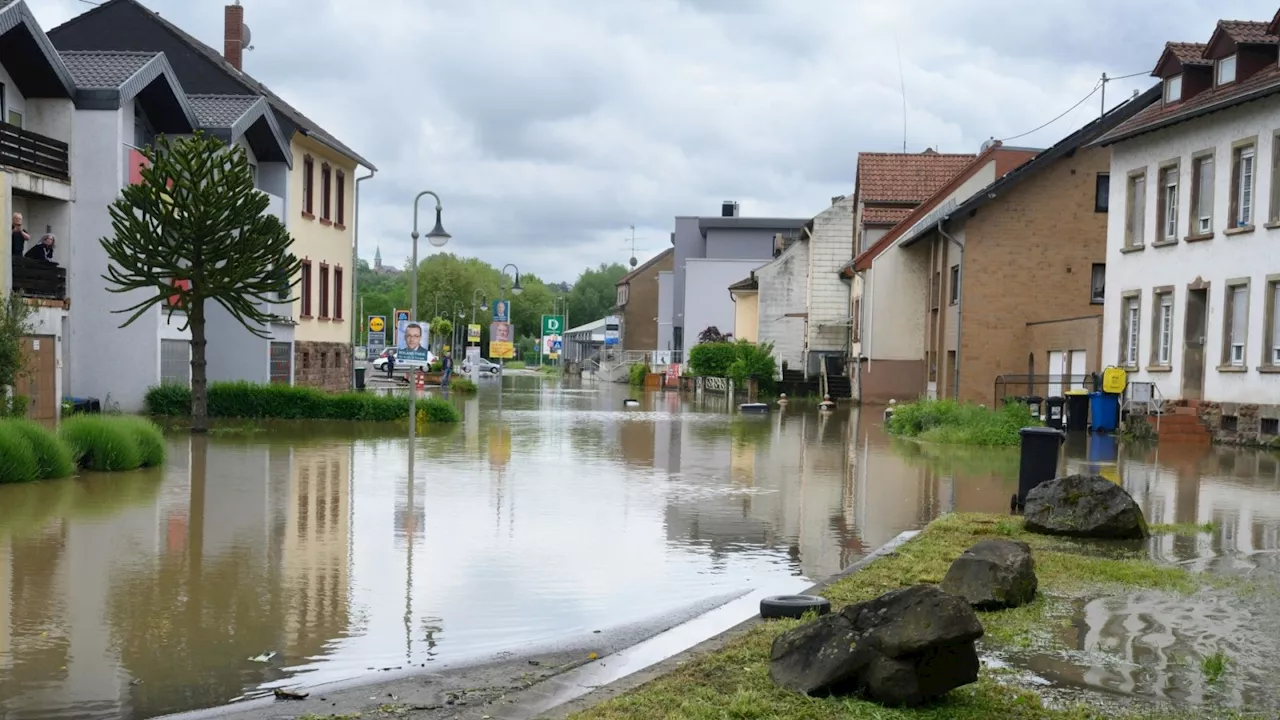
(391, 363)
(446, 364)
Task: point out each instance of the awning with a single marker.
(842, 322)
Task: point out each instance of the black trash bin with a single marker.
(1034, 402)
(1053, 412)
(1041, 448)
(360, 377)
(1077, 412)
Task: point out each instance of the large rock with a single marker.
(1084, 506)
(902, 648)
(993, 574)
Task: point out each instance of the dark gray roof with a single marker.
(105, 70)
(231, 117)
(749, 223)
(21, 41)
(221, 111)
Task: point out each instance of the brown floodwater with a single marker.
(551, 513)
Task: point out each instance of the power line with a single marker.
(1059, 117)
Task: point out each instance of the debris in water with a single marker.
(282, 694)
(592, 656)
(264, 657)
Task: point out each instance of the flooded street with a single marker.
(552, 514)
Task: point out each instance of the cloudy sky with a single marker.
(551, 126)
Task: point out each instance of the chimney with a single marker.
(728, 208)
(233, 35)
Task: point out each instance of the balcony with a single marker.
(24, 150)
(39, 279)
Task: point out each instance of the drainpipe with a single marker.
(355, 274)
(955, 380)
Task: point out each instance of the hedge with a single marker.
(278, 402)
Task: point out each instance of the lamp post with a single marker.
(438, 238)
(458, 329)
(477, 302)
(515, 290)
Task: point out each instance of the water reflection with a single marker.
(554, 514)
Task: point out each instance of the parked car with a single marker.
(380, 362)
(484, 365)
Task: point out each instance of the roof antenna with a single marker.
(903, 81)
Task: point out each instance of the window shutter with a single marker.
(1239, 317)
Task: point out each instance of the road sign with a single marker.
(473, 334)
(552, 325)
(501, 311)
(377, 323)
(611, 330)
(556, 346)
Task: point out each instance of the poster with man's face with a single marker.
(413, 342)
(501, 311)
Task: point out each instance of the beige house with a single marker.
(746, 309)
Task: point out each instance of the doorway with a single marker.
(39, 380)
(1194, 343)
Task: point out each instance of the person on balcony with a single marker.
(44, 249)
(20, 236)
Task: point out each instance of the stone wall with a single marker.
(1241, 423)
(324, 365)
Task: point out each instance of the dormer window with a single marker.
(1227, 70)
(1173, 89)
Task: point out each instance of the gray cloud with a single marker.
(549, 126)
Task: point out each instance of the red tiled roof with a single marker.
(1188, 53)
(1249, 32)
(884, 215)
(1273, 27)
(906, 177)
(1221, 97)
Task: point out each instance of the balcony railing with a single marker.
(39, 279)
(30, 151)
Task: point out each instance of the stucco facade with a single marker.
(746, 314)
(708, 303)
(784, 290)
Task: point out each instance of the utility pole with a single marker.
(1104, 95)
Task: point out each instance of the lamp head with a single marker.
(438, 236)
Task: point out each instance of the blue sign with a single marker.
(501, 311)
(556, 346)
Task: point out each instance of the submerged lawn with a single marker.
(734, 682)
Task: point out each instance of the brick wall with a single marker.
(1028, 259)
(640, 314)
(322, 365)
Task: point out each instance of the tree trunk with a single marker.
(199, 370)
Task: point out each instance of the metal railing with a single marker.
(39, 279)
(26, 150)
(1007, 386)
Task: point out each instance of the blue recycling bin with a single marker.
(1105, 411)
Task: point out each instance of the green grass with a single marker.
(244, 400)
(1214, 666)
(113, 443)
(948, 422)
(18, 463)
(54, 459)
(462, 385)
(734, 682)
(1187, 529)
(436, 411)
(515, 365)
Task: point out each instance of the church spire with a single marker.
(377, 258)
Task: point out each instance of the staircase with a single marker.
(792, 376)
(1181, 424)
(839, 387)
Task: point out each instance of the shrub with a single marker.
(101, 443)
(515, 365)
(753, 359)
(462, 385)
(52, 456)
(18, 461)
(637, 373)
(713, 335)
(955, 423)
(712, 359)
(168, 399)
(279, 402)
(437, 410)
(149, 438)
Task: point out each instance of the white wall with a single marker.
(784, 286)
(707, 300)
(1253, 255)
(51, 117)
(13, 99)
(666, 307)
(828, 301)
(897, 289)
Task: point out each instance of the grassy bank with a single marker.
(278, 402)
(953, 423)
(30, 452)
(734, 681)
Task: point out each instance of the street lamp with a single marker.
(458, 329)
(515, 289)
(477, 302)
(438, 238)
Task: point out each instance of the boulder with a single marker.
(1084, 506)
(994, 574)
(906, 647)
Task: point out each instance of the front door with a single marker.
(1057, 371)
(39, 379)
(1193, 343)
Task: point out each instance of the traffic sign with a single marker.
(552, 325)
(556, 346)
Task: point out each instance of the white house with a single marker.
(1193, 237)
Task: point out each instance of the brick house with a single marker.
(637, 302)
(1015, 274)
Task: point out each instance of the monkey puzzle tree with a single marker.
(195, 229)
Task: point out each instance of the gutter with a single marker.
(355, 271)
(955, 380)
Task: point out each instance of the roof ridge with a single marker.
(148, 53)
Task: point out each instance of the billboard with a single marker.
(611, 327)
(412, 341)
(501, 340)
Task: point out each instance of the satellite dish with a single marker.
(633, 261)
(246, 37)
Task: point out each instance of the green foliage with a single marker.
(515, 365)
(953, 423)
(53, 458)
(712, 359)
(752, 359)
(637, 371)
(15, 315)
(18, 462)
(441, 331)
(594, 293)
(462, 385)
(279, 402)
(712, 334)
(102, 443)
(437, 410)
(148, 436)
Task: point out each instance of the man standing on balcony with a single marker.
(20, 236)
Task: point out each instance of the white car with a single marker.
(484, 365)
(380, 363)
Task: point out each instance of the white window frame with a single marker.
(1173, 89)
(1225, 72)
(1204, 201)
(1164, 351)
(1247, 155)
(1169, 186)
(1136, 208)
(1239, 318)
(1133, 308)
(1275, 323)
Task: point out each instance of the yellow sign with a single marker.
(377, 324)
(502, 350)
(473, 334)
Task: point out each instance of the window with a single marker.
(622, 295)
(341, 210)
(1137, 204)
(955, 284)
(1162, 329)
(1271, 356)
(1242, 186)
(1098, 284)
(1227, 70)
(304, 288)
(1274, 215)
(308, 186)
(1173, 89)
(1235, 325)
(175, 362)
(1131, 326)
(326, 182)
(324, 290)
(281, 363)
(337, 293)
(1201, 195)
(1102, 192)
(253, 170)
(1168, 222)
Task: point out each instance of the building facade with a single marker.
(1193, 270)
(637, 303)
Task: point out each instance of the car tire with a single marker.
(494, 370)
(793, 606)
